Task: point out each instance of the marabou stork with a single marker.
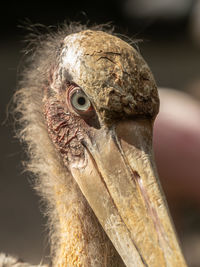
(86, 107)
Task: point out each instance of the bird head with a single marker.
(100, 103)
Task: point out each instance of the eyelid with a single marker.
(71, 90)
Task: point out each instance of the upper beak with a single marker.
(120, 183)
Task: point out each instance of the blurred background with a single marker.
(169, 39)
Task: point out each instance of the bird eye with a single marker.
(80, 101)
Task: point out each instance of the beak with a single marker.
(120, 184)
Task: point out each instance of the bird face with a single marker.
(100, 105)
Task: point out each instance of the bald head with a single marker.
(111, 72)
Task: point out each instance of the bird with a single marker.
(85, 110)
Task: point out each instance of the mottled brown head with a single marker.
(98, 79)
(111, 73)
(100, 103)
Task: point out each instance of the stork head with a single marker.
(100, 104)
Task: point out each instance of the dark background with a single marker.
(168, 47)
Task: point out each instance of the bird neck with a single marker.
(81, 239)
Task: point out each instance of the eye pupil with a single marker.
(81, 101)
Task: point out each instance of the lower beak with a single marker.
(120, 184)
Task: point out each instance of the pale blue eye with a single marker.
(80, 101)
